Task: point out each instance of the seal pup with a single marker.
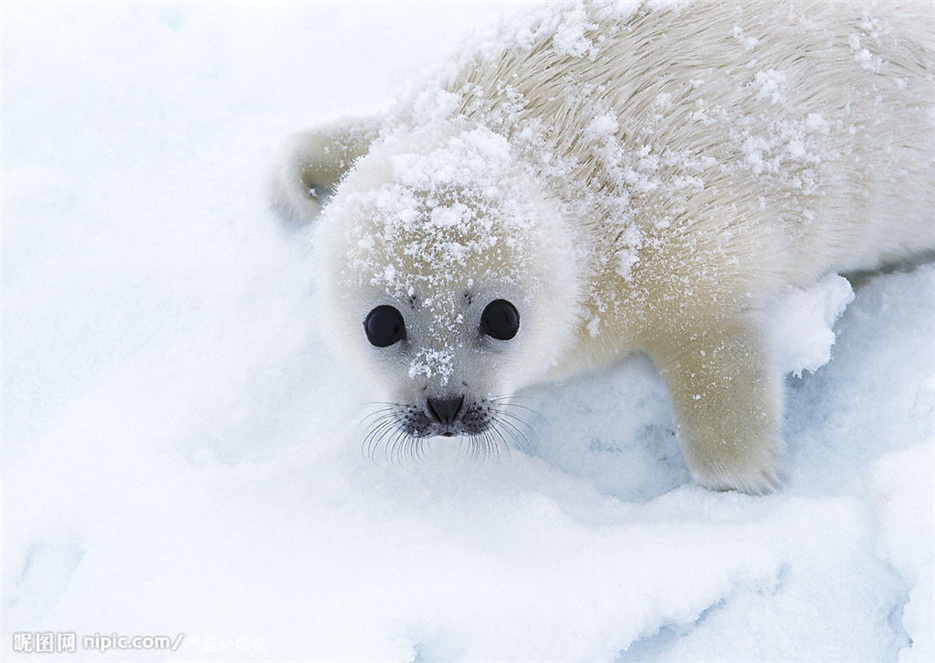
(608, 178)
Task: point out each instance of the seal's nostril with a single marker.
(445, 410)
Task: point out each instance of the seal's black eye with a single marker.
(384, 326)
(500, 320)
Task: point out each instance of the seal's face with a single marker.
(448, 410)
(450, 279)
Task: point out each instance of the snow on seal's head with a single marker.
(449, 276)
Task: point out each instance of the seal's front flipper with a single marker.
(313, 162)
(727, 401)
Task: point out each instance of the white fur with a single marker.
(632, 177)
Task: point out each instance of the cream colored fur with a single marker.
(682, 164)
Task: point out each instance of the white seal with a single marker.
(609, 178)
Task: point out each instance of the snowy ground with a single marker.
(179, 453)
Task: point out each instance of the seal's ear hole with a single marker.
(500, 320)
(384, 326)
(320, 192)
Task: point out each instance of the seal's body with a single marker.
(611, 179)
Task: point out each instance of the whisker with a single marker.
(509, 400)
(495, 427)
(367, 444)
(413, 448)
(494, 438)
(399, 443)
(512, 417)
(481, 450)
(385, 429)
(519, 436)
(516, 432)
(389, 447)
(478, 450)
(507, 406)
(491, 448)
(378, 413)
(509, 397)
(389, 404)
(484, 444)
(472, 447)
(379, 434)
(388, 426)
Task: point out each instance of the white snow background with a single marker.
(180, 454)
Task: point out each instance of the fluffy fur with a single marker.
(632, 177)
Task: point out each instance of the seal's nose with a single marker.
(445, 410)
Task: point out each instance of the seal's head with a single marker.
(449, 277)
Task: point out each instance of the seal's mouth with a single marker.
(447, 417)
(489, 426)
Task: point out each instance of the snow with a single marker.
(801, 323)
(181, 455)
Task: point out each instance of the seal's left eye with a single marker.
(500, 320)
(384, 326)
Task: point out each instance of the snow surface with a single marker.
(180, 455)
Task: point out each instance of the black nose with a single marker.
(445, 409)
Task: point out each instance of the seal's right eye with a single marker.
(384, 326)
(500, 320)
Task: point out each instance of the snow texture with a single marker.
(179, 454)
